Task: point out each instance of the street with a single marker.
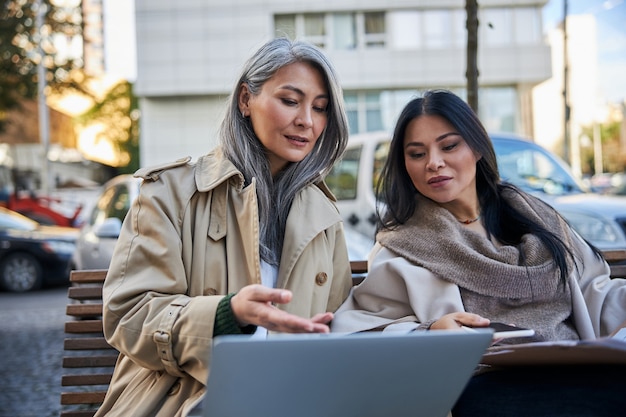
(31, 351)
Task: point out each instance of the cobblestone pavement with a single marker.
(31, 350)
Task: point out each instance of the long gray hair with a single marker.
(243, 148)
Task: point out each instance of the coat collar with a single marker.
(213, 169)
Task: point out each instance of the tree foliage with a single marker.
(118, 112)
(23, 45)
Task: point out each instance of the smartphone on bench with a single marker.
(505, 331)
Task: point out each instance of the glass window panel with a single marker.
(374, 29)
(285, 25)
(437, 29)
(352, 110)
(342, 179)
(372, 98)
(315, 29)
(404, 29)
(527, 25)
(496, 26)
(344, 31)
(314, 24)
(353, 121)
(498, 106)
(459, 23)
(374, 120)
(374, 23)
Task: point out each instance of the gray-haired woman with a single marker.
(245, 240)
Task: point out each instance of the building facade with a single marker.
(189, 53)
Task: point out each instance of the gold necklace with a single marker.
(469, 221)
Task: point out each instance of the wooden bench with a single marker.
(617, 261)
(88, 358)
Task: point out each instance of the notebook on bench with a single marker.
(335, 375)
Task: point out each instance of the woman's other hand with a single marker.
(454, 321)
(253, 304)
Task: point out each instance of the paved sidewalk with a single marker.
(31, 350)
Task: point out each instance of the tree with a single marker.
(20, 39)
(118, 112)
(471, 9)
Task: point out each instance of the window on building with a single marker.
(496, 24)
(344, 31)
(370, 111)
(436, 29)
(285, 25)
(373, 114)
(527, 25)
(314, 29)
(335, 30)
(351, 102)
(405, 29)
(374, 33)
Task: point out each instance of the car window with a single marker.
(380, 156)
(120, 203)
(342, 179)
(114, 202)
(533, 169)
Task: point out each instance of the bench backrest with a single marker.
(90, 360)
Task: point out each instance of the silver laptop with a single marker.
(335, 375)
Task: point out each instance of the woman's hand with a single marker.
(455, 321)
(253, 304)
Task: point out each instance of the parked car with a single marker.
(601, 219)
(95, 244)
(99, 234)
(31, 254)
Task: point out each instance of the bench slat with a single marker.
(92, 397)
(88, 276)
(86, 343)
(84, 326)
(84, 310)
(96, 361)
(78, 413)
(85, 293)
(85, 379)
(618, 271)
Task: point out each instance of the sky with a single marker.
(610, 16)
(611, 32)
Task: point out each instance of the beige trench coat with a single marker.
(191, 237)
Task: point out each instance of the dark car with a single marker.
(33, 255)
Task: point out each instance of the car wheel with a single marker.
(20, 272)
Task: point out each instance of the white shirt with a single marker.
(269, 277)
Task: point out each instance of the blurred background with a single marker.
(90, 89)
(95, 88)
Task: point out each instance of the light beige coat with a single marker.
(191, 237)
(399, 295)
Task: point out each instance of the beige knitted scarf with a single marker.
(434, 239)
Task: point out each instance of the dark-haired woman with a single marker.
(459, 247)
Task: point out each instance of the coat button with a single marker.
(210, 291)
(321, 278)
(174, 389)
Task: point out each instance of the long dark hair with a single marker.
(500, 219)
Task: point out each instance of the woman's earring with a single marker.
(243, 114)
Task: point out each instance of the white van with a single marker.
(601, 219)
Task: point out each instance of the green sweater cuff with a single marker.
(225, 322)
